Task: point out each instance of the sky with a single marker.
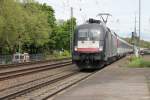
(123, 13)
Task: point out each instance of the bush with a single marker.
(63, 54)
(66, 54)
(58, 54)
(138, 62)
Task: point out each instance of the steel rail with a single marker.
(21, 72)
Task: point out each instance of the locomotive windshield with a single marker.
(92, 34)
(83, 34)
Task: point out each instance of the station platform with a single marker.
(111, 83)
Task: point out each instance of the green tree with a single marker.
(23, 22)
(33, 26)
(50, 46)
(12, 17)
(36, 26)
(64, 34)
(144, 44)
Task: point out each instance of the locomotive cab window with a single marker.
(94, 34)
(83, 34)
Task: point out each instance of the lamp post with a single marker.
(139, 23)
(71, 29)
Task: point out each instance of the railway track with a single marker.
(5, 66)
(57, 83)
(21, 89)
(16, 71)
(51, 90)
(45, 87)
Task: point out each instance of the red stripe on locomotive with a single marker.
(88, 50)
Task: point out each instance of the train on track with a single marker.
(94, 45)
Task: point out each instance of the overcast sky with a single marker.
(123, 13)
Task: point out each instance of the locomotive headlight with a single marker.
(75, 48)
(101, 48)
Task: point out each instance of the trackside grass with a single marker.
(138, 62)
(58, 55)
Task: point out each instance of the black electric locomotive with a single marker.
(94, 44)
